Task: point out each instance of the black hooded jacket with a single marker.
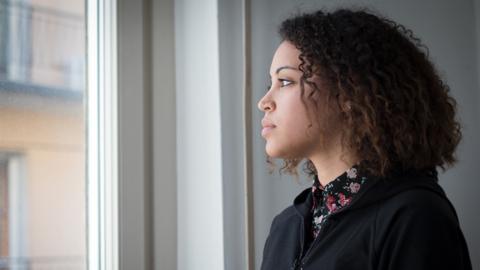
(400, 222)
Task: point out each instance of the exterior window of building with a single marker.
(42, 135)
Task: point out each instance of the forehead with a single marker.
(285, 55)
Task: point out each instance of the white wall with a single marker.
(199, 139)
(230, 30)
(133, 138)
(164, 132)
(448, 29)
(147, 139)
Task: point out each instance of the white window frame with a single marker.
(127, 107)
(136, 150)
(102, 136)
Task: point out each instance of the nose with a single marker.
(265, 104)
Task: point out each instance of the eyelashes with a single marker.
(283, 83)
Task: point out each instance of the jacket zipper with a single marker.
(315, 241)
(300, 261)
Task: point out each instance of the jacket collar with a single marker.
(378, 189)
(303, 202)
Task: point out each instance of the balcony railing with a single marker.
(42, 50)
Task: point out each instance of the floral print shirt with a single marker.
(334, 196)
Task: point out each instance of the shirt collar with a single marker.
(339, 192)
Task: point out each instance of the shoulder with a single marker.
(284, 216)
(417, 215)
(419, 229)
(294, 211)
(420, 203)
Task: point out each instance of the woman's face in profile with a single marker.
(291, 136)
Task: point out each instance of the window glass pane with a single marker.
(42, 134)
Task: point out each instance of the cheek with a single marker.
(291, 142)
(293, 136)
(295, 121)
(292, 139)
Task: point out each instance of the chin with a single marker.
(275, 152)
(272, 151)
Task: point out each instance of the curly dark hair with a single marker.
(400, 115)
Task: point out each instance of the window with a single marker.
(59, 143)
(42, 134)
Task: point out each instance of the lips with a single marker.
(267, 127)
(267, 124)
(266, 130)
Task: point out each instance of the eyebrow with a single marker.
(284, 67)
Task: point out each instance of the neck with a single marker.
(329, 166)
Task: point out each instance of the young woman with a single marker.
(356, 96)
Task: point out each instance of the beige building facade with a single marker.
(42, 136)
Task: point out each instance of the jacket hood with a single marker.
(379, 189)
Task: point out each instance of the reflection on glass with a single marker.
(42, 156)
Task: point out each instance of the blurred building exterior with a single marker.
(42, 134)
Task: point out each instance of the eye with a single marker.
(284, 82)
